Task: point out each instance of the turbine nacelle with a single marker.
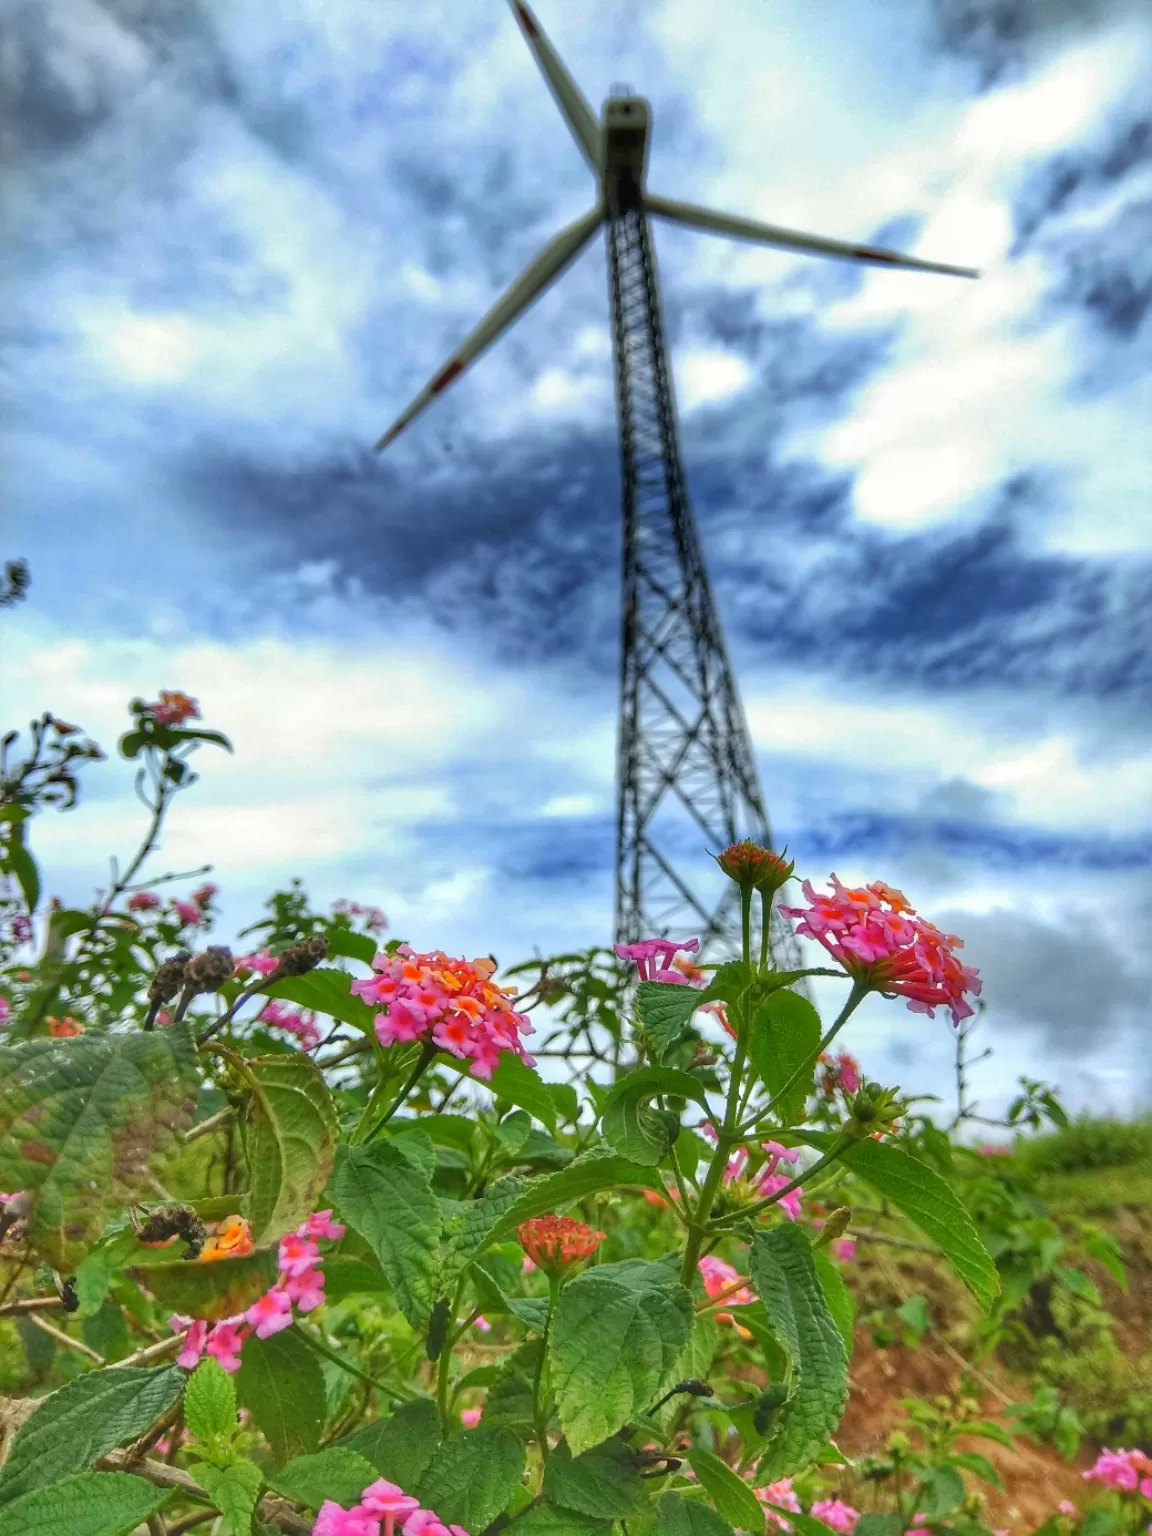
(626, 121)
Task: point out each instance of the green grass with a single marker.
(1089, 1143)
(1097, 1189)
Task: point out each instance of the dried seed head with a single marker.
(208, 972)
(298, 959)
(169, 977)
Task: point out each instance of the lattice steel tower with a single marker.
(687, 780)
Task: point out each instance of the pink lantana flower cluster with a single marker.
(374, 919)
(300, 1284)
(453, 1003)
(143, 901)
(768, 1181)
(302, 1024)
(382, 1507)
(836, 1515)
(204, 894)
(262, 961)
(189, 913)
(21, 929)
(783, 1495)
(1127, 1471)
(878, 938)
(654, 960)
(5, 1009)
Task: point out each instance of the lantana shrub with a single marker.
(344, 1261)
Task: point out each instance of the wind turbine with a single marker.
(686, 770)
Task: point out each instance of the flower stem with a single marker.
(802, 1178)
(398, 1394)
(539, 1407)
(429, 1050)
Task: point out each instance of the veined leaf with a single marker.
(841, 1302)
(353, 946)
(524, 1087)
(926, 1199)
(281, 1384)
(785, 1276)
(587, 1175)
(234, 1490)
(679, 1516)
(664, 1009)
(546, 1520)
(635, 1129)
(401, 1446)
(336, 1473)
(730, 1494)
(23, 866)
(210, 1401)
(613, 1347)
(290, 1134)
(389, 1202)
(92, 1504)
(785, 1034)
(211, 1290)
(84, 1122)
(603, 1482)
(327, 990)
(473, 1227)
(472, 1477)
(85, 1420)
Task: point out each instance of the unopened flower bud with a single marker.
(298, 959)
(209, 971)
(755, 868)
(873, 1109)
(835, 1226)
(169, 977)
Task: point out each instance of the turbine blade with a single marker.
(578, 114)
(556, 255)
(790, 239)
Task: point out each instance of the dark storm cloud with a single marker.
(990, 845)
(1072, 983)
(1000, 37)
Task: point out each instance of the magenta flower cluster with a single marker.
(300, 1284)
(382, 1506)
(653, 958)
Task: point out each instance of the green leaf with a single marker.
(211, 1291)
(841, 1302)
(474, 1227)
(973, 1461)
(352, 1277)
(879, 1525)
(326, 990)
(353, 946)
(602, 1482)
(389, 1202)
(941, 1491)
(337, 1473)
(635, 1129)
(664, 1009)
(234, 1490)
(290, 1133)
(785, 1036)
(1078, 1283)
(210, 1401)
(679, 1516)
(785, 1276)
(566, 1100)
(472, 1477)
(281, 1384)
(510, 1402)
(85, 1123)
(85, 1420)
(613, 1347)
(588, 1174)
(23, 866)
(93, 1504)
(547, 1520)
(401, 1446)
(523, 1086)
(925, 1198)
(729, 1493)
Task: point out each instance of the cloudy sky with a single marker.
(239, 237)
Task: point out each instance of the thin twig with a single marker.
(206, 1127)
(871, 1236)
(152, 1352)
(62, 1338)
(32, 1304)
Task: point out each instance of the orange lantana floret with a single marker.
(232, 1240)
(554, 1243)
